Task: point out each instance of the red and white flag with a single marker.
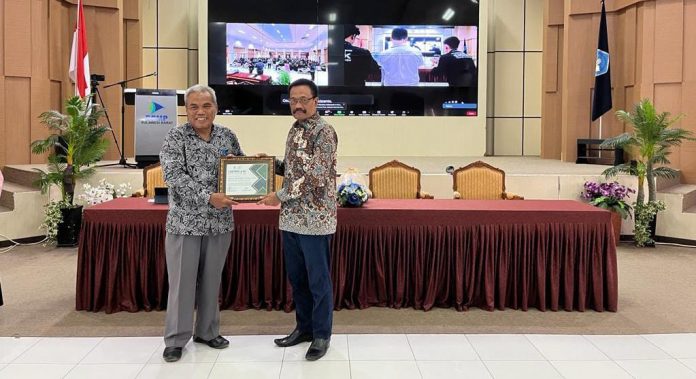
(79, 60)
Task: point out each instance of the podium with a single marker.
(155, 113)
(590, 152)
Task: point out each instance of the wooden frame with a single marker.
(481, 164)
(477, 164)
(268, 162)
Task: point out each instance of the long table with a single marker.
(545, 254)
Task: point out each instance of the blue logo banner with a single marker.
(602, 64)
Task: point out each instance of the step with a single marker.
(9, 189)
(15, 187)
(23, 175)
(686, 191)
(663, 183)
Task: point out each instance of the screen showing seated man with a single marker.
(410, 56)
(276, 54)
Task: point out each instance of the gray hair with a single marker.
(200, 88)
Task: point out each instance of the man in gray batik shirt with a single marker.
(199, 223)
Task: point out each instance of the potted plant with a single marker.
(75, 142)
(649, 143)
(610, 196)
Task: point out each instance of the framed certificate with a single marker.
(246, 178)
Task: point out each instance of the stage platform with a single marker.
(531, 177)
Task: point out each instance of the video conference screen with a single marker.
(393, 58)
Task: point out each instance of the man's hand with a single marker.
(260, 155)
(270, 199)
(220, 200)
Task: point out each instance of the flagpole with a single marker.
(600, 134)
(601, 99)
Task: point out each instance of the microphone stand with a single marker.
(122, 161)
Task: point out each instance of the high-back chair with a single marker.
(153, 177)
(480, 181)
(395, 180)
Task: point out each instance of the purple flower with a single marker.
(607, 195)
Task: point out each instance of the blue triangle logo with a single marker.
(154, 107)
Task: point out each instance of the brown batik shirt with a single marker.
(308, 197)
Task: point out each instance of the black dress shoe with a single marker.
(293, 339)
(218, 342)
(317, 349)
(172, 354)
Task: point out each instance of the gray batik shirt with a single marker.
(191, 167)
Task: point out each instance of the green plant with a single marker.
(53, 218)
(650, 143)
(651, 140)
(644, 214)
(76, 142)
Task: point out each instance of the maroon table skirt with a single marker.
(546, 254)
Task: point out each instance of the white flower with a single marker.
(105, 191)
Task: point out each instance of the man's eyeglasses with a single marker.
(302, 100)
(206, 107)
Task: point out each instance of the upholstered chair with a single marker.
(395, 180)
(480, 181)
(153, 177)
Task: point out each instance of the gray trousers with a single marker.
(194, 265)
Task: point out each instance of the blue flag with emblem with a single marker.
(601, 102)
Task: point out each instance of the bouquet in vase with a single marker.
(610, 196)
(351, 194)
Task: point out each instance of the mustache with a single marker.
(299, 110)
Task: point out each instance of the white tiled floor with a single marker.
(363, 356)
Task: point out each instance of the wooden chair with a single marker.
(153, 176)
(278, 182)
(480, 181)
(395, 180)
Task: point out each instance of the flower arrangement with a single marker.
(105, 191)
(351, 194)
(609, 196)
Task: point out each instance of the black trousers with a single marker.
(307, 263)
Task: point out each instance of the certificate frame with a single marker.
(252, 185)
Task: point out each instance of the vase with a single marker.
(616, 226)
(69, 227)
(349, 205)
